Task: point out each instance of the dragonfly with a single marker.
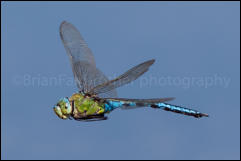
(97, 95)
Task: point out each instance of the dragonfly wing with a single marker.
(86, 75)
(93, 118)
(75, 45)
(100, 79)
(125, 78)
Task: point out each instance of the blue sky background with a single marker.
(197, 50)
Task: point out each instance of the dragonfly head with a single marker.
(63, 109)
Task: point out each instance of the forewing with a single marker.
(75, 45)
(125, 78)
(86, 75)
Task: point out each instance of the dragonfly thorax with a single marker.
(79, 106)
(85, 106)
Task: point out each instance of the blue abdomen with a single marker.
(112, 104)
(178, 109)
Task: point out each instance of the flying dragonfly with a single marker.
(97, 95)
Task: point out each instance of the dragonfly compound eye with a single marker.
(59, 113)
(65, 106)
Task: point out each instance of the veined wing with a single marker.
(125, 78)
(75, 45)
(86, 75)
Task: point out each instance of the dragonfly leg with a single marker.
(93, 118)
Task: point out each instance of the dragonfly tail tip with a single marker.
(204, 114)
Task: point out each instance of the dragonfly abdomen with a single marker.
(112, 104)
(178, 109)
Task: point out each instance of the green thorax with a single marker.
(84, 106)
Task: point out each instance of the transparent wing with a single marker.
(75, 45)
(125, 78)
(86, 75)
